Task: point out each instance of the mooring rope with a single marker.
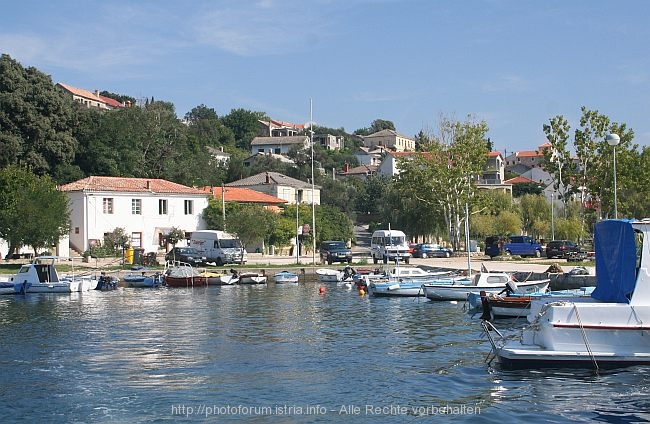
(584, 337)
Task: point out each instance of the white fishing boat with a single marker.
(252, 278)
(285, 277)
(490, 282)
(395, 288)
(41, 276)
(609, 331)
(328, 275)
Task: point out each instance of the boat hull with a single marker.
(138, 281)
(251, 279)
(574, 334)
(395, 290)
(194, 281)
(461, 292)
(285, 278)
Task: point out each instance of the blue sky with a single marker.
(513, 63)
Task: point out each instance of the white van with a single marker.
(219, 247)
(389, 245)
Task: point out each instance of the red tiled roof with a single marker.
(111, 102)
(494, 154)
(129, 185)
(529, 153)
(519, 180)
(243, 195)
(82, 93)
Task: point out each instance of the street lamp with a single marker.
(613, 140)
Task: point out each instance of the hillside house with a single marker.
(90, 98)
(281, 186)
(391, 139)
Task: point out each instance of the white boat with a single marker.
(395, 288)
(252, 278)
(41, 276)
(609, 331)
(328, 275)
(407, 273)
(490, 282)
(285, 277)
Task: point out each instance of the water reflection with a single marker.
(130, 354)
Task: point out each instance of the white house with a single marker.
(391, 139)
(280, 186)
(146, 208)
(279, 145)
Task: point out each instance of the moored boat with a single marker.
(252, 278)
(490, 282)
(183, 275)
(608, 331)
(41, 276)
(143, 280)
(213, 278)
(285, 277)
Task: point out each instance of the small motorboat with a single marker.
(107, 283)
(41, 276)
(252, 278)
(143, 280)
(608, 331)
(184, 276)
(285, 277)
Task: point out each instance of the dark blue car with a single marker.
(430, 250)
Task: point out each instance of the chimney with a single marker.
(346, 167)
(97, 93)
(268, 178)
(148, 185)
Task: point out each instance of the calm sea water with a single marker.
(278, 354)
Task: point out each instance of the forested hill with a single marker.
(42, 128)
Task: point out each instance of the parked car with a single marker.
(565, 249)
(513, 245)
(188, 255)
(335, 251)
(430, 250)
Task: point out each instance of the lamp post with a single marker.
(613, 140)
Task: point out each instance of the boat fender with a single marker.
(487, 315)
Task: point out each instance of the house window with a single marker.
(136, 206)
(108, 205)
(136, 239)
(76, 230)
(162, 206)
(260, 150)
(277, 151)
(189, 207)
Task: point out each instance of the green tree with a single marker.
(117, 240)
(442, 178)
(174, 236)
(535, 212)
(251, 223)
(32, 211)
(244, 125)
(36, 120)
(507, 223)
